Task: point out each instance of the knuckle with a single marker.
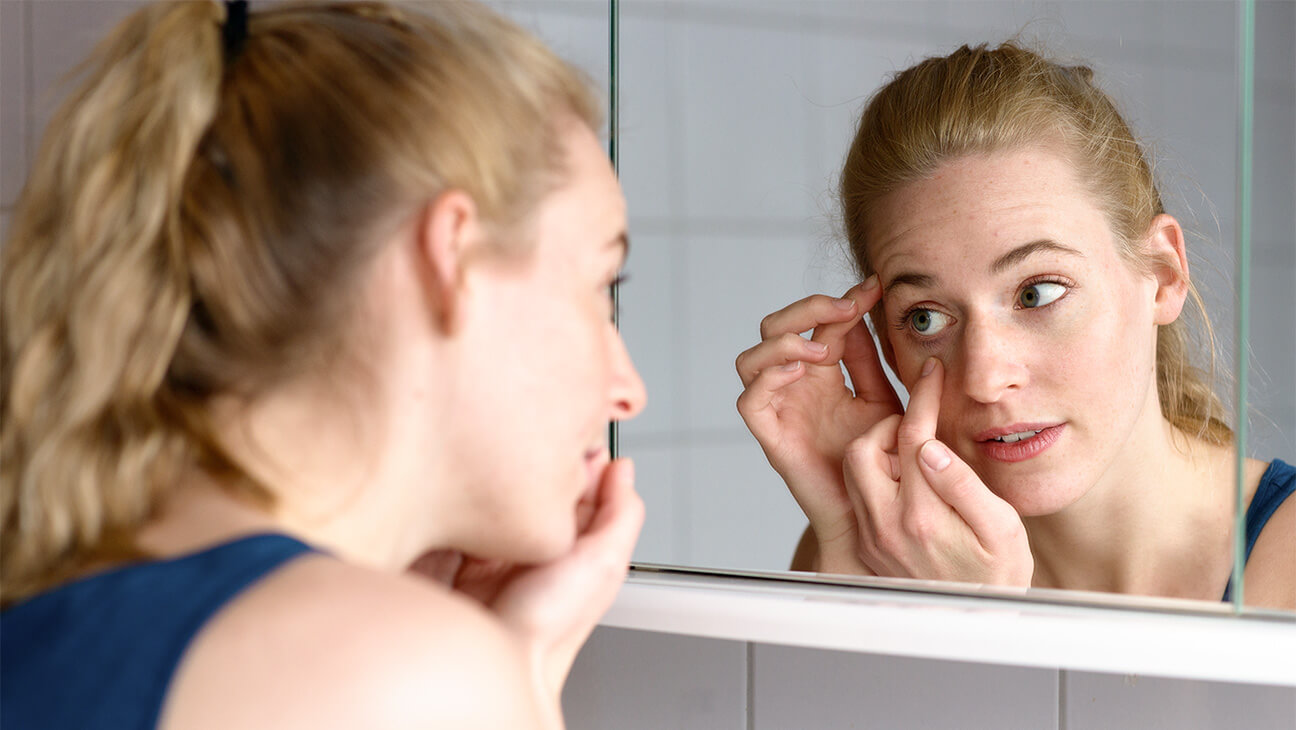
(889, 425)
(742, 358)
(791, 342)
(909, 432)
(819, 302)
(876, 437)
(744, 401)
(919, 525)
(858, 451)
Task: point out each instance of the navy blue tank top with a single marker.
(100, 652)
(1276, 485)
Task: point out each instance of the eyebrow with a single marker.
(922, 281)
(1026, 250)
(1013, 257)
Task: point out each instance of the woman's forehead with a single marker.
(981, 204)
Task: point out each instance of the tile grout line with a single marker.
(1062, 699)
(751, 686)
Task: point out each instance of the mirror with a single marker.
(734, 120)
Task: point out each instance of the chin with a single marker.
(550, 540)
(1037, 497)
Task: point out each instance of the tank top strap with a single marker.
(1276, 484)
(100, 652)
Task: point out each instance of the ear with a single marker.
(448, 231)
(1169, 257)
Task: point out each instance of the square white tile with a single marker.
(742, 515)
(655, 480)
(1130, 702)
(733, 282)
(653, 308)
(798, 688)
(638, 680)
(744, 143)
(651, 119)
(14, 135)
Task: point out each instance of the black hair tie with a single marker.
(235, 31)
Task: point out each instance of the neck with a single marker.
(338, 472)
(1158, 522)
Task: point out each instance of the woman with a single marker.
(1026, 286)
(291, 300)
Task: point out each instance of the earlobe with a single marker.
(1169, 255)
(448, 228)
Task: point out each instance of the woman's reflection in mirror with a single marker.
(1027, 287)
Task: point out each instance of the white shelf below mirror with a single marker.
(1185, 639)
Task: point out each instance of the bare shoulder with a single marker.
(1271, 569)
(321, 643)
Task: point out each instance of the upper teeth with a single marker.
(1014, 437)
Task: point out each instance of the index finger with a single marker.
(834, 334)
(806, 314)
(919, 423)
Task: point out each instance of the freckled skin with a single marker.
(1086, 360)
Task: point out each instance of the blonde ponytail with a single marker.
(195, 228)
(96, 293)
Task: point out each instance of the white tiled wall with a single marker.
(629, 680)
(635, 680)
(1116, 701)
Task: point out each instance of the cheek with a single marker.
(1103, 355)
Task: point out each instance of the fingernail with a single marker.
(869, 283)
(845, 304)
(935, 455)
(928, 366)
(790, 366)
(818, 348)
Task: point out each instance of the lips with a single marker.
(1019, 441)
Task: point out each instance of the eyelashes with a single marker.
(924, 322)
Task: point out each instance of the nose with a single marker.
(992, 362)
(628, 394)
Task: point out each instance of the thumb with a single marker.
(619, 513)
(958, 485)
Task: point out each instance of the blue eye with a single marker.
(928, 321)
(1040, 294)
